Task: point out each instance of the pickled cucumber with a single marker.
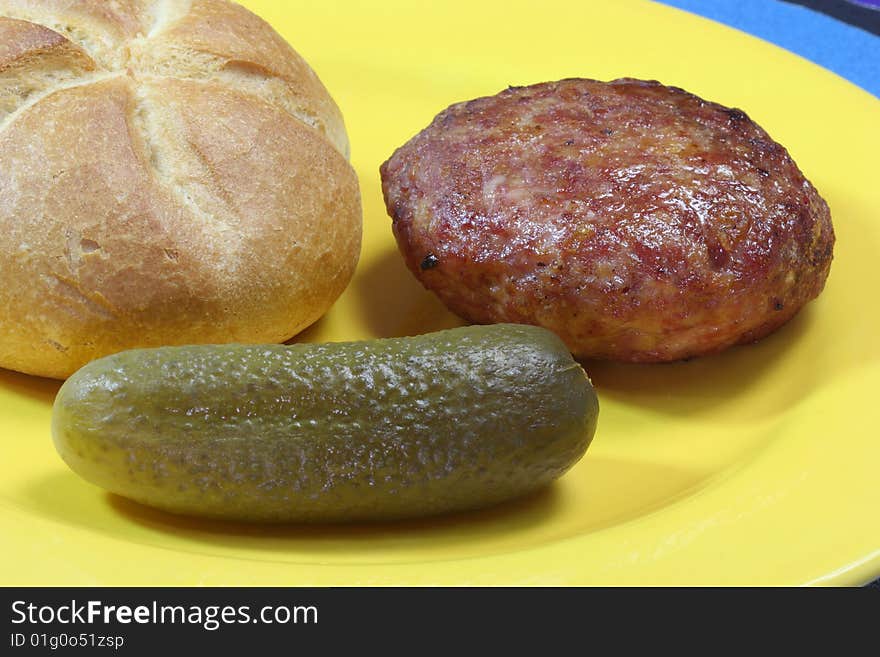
(384, 429)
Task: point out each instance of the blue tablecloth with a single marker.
(842, 37)
(850, 51)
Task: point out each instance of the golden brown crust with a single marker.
(124, 19)
(245, 43)
(139, 209)
(20, 40)
(33, 59)
(99, 27)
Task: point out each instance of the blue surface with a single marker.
(848, 51)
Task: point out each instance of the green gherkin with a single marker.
(385, 429)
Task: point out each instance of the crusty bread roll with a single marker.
(171, 172)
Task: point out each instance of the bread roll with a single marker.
(171, 172)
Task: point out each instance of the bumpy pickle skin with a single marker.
(361, 431)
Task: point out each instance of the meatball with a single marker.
(636, 220)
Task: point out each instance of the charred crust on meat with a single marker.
(735, 115)
(430, 261)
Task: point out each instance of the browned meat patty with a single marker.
(637, 221)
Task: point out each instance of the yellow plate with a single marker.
(758, 466)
